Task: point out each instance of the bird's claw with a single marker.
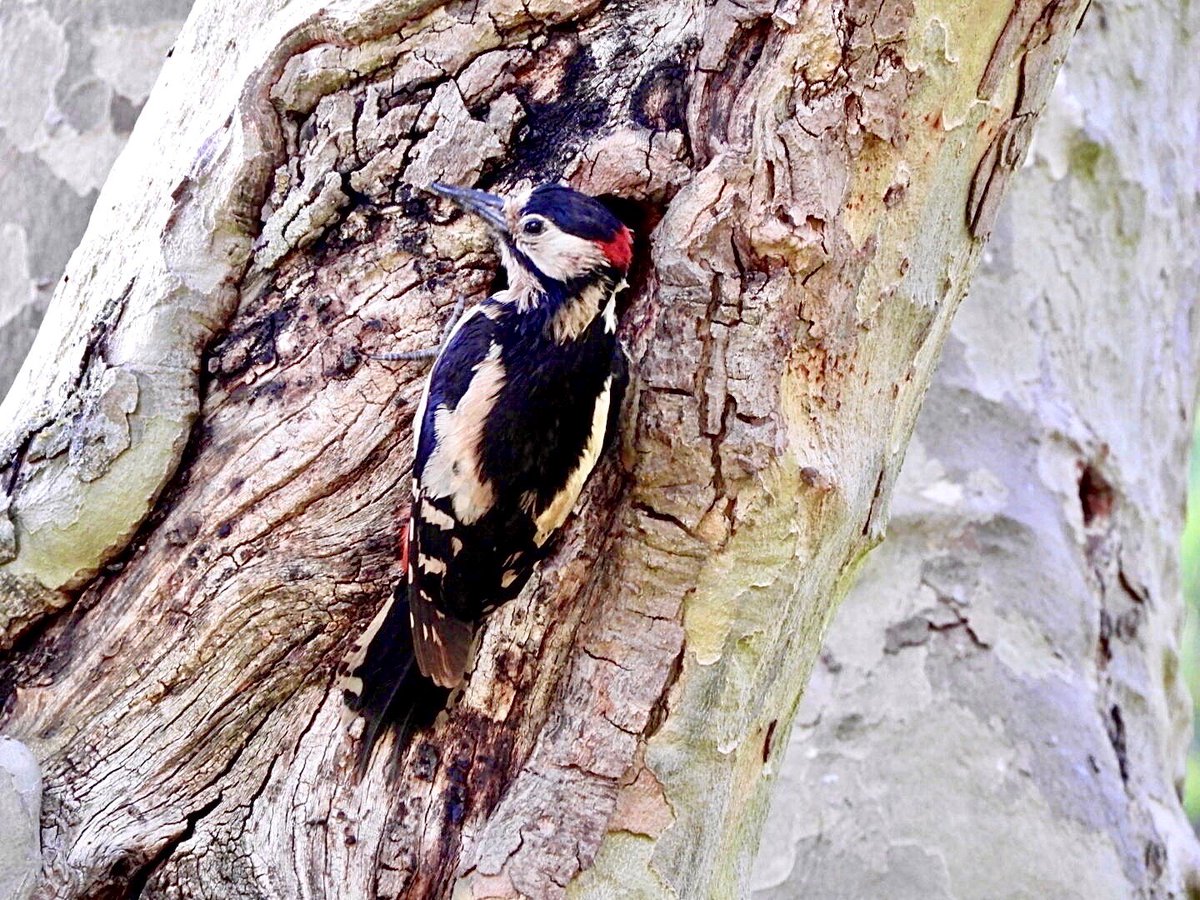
(425, 353)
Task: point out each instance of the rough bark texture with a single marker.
(997, 711)
(202, 476)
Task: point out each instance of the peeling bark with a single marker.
(203, 474)
(997, 710)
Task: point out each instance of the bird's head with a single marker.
(551, 233)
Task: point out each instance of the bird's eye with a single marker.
(534, 226)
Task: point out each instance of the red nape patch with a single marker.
(619, 250)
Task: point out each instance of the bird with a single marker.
(523, 397)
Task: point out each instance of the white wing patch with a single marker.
(452, 469)
(477, 309)
(419, 420)
(358, 652)
(435, 516)
(431, 564)
(560, 506)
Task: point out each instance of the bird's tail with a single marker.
(382, 682)
(386, 687)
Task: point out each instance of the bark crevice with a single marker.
(783, 322)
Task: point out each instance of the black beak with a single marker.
(487, 206)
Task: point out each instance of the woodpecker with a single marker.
(521, 400)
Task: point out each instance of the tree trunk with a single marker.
(998, 710)
(203, 476)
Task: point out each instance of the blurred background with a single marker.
(76, 73)
(1189, 550)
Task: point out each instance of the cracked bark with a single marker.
(203, 476)
(997, 710)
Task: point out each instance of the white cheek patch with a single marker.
(560, 506)
(563, 256)
(453, 467)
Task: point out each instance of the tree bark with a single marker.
(203, 476)
(998, 710)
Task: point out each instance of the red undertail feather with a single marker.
(406, 518)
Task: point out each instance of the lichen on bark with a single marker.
(1009, 658)
(799, 174)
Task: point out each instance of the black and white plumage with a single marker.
(521, 400)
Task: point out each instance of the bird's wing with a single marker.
(379, 676)
(442, 642)
(450, 493)
(620, 386)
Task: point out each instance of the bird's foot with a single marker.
(425, 353)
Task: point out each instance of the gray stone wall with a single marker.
(76, 73)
